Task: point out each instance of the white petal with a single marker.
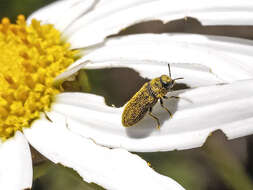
(109, 17)
(206, 59)
(46, 14)
(194, 75)
(198, 113)
(15, 164)
(62, 13)
(111, 168)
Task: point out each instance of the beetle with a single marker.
(148, 95)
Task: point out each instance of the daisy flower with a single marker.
(78, 130)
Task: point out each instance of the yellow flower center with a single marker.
(30, 58)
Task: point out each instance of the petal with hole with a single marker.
(196, 114)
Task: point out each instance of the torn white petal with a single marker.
(107, 167)
(62, 13)
(200, 59)
(15, 163)
(110, 17)
(199, 112)
(194, 75)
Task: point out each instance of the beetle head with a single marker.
(166, 81)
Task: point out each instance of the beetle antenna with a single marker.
(173, 80)
(178, 78)
(169, 70)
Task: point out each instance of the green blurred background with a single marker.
(11, 8)
(218, 165)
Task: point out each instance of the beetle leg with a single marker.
(174, 97)
(161, 103)
(154, 117)
(166, 97)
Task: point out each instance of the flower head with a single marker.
(31, 57)
(36, 55)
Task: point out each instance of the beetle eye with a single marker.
(167, 84)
